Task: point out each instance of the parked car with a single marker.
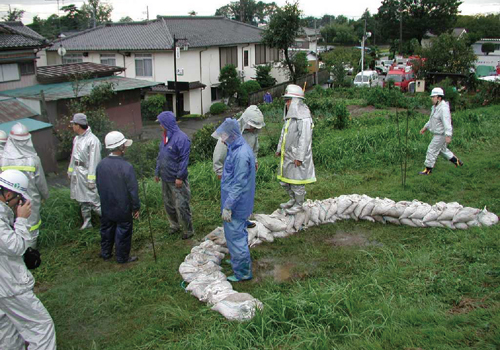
(367, 78)
(383, 66)
(400, 77)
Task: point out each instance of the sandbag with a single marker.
(449, 212)
(418, 222)
(190, 272)
(207, 251)
(382, 206)
(407, 222)
(323, 210)
(410, 209)
(461, 225)
(215, 234)
(421, 211)
(436, 210)
(473, 223)
(214, 288)
(332, 210)
(299, 220)
(368, 218)
(433, 224)
(238, 307)
(262, 233)
(201, 259)
(397, 209)
(486, 218)
(255, 242)
(379, 218)
(197, 287)
(282, 234)
(212, 245)
(447, 223)
(307, 214)
(465, 214)
(314, 216)
(367, 210)
(392, 220)
(361, 205)
(290, 221)
(343, 204)
(271, 223)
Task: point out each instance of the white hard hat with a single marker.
(294, 91)
(15, 181)
(115, 139)
(20, 132)
(3, 136)
(437, 92)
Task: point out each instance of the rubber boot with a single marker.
(426, 171)
(87, 217)
(297, 206)
(456, 161)
(290, 203)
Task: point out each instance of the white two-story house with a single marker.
(145, 50)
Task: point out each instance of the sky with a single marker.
(137, 9)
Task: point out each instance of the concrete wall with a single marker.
(24, 81)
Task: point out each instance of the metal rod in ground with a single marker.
(400, 150)
(406, 147)
(146, 207)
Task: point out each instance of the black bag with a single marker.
(32, 258)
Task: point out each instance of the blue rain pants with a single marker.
(237, 243)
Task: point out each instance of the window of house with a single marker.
(274, 55)
(9, 72)
(73, 58)
(27, 68)
(245, 58)
(228, 55)
(260, 54)
(108, 59)
(216, 93)
(143, 65)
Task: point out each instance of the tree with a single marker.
(263, 76)
(95, 12)
(229, 81)
(487, 48)
(480, 26)
(126, 19)
(281, 32)
(419, 17)
(192, 13)
(72, 19)
(13, 15)
(247, 11)
(448, 54)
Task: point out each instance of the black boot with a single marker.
(456, 161)
(426, 171)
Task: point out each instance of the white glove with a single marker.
(91, 185)
(226, 215)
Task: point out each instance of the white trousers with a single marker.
(436, 147)
(24, 318)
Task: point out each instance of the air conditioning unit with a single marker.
(180, 71)
(241, 74)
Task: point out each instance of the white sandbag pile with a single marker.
(201, 268)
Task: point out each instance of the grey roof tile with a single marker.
(16, 35)
(158, 34)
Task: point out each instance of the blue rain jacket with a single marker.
(118, 189)
(238, 176)
(173, 157)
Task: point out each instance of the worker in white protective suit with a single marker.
(23, 318)
(85, 156)
(250, 122)
(19, 154)
(439, 125)
(296, 167)
(3, 141)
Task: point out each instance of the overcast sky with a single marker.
(137, 9)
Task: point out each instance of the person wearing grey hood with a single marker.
(440, 126)
(296, 167)
(3, 141)
(250, 122)
(85, 156)
(19, 154)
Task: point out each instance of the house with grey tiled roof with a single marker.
(146, 51)
(18, 48)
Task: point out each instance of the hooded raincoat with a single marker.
(237, 195)
(173, 156)
(21, 155)
(22, 315)
(251, 115)
(296, 144)
(85, 156)
(439, 125)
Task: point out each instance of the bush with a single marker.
(218, 108)
(263, 76)
(194, 115)
(229, 80)
(451, 94)
(339, 117)
(203, 144)
(142, 155)
(247, 88)
(152, 106)
(388, 97)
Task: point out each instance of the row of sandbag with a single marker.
(415, 214)
(201, 269)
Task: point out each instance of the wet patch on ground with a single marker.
(280, 271)
(351, 239)
(467, 305)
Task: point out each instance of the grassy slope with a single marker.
(410, 288)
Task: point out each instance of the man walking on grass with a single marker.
(118, 190)
(439, 125)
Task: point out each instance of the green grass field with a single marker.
(349, 285)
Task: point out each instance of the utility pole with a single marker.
(363, 55)
(316, 52)
(147, 12)
(400, 27)
(177, 92)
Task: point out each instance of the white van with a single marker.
(369, 78)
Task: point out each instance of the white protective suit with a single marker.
(21, 155)
(296, 144)
(22, 316)
(439, 125)
(85, 156)
(252, 114)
